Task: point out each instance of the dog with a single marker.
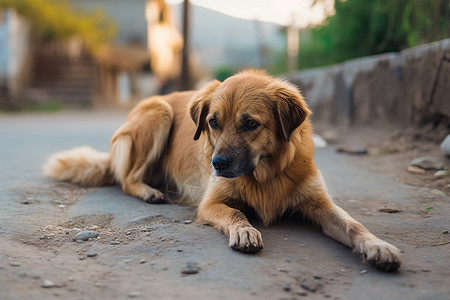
(245, 142)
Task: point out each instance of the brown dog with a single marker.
(250, 146)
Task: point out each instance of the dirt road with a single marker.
(141, 249)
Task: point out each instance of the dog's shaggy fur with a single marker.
(250, 145)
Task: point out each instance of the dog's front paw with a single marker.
(151, 195)
(382, 255)
(246, 239)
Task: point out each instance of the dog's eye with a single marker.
(213, 123)
(251, 124)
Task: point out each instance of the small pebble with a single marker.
(426, 163)
(179, 250)
(415, 170)
(142, 261)
(189, 269)
(441, 173)
(352, 150)
(363, 271)
(114, 243)
(287, 287)
(389, 210)
(187, 222)
(85, 235)
(47, 284)
(317, 277)
(91, 254)
(310, 285)
(445, 232)
(14, 264)
(134, 294)
(61, 206)
(426, 270)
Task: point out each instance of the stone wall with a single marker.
(411, 87)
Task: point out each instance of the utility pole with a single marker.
(185, 78)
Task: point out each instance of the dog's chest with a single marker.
(270, 200)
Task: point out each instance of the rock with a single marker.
(415, 170)
(441, 173)
(91, 254)
(310, 285)
(134, 294)
(352, 150)
(330, 136)
(445, 232)
(187, 222)
(445, 146)
(47, 284)
(190, 269)
(389, 210)
(317, 277)
(319, 142)
(85, 235)
(287, 287)
(114, 243)
(14, 264)
(363, 272)
(426, 163)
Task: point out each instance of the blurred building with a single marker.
(216, 39)
(15, 54)
(121, 72)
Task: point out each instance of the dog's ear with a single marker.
(291, 110)
(200, 106)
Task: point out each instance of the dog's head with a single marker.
(246, 119)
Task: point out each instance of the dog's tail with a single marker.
(81, 165)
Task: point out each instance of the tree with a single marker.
(361, 28)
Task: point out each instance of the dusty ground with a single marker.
(141, 249)
(391, 149)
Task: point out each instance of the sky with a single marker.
(297, 13)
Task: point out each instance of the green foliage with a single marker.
(223, 73)
(57, 19)
(362, 27)
(50, 106)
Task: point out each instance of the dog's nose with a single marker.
(221, 163)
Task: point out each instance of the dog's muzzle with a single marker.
(227, 167)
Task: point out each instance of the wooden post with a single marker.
(185, 78)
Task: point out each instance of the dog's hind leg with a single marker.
(138, 144)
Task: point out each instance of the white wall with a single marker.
(14, 48)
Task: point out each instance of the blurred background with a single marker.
(84, 53)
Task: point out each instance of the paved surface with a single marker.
(142, 249)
